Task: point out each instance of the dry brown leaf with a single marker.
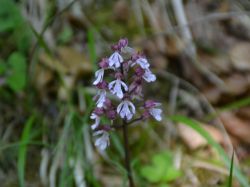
(74, 61)
(52, 63)
(194, 140)
(218, 64)
(159, 62)
(121, 10)
(244, 113)
(111, 180)
(42, 76)
(64, 89)
(240, 56)
(236, 126)
(174, 46)
(69, 61)
(236, 84)
(212, 94)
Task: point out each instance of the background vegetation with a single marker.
(199, 51)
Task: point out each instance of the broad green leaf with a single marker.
(2, 67)
(66, 35)
(151, 173)
(17, 76)
(171, 174)
(165, 160)
(163, 185)
(22, 36)
(161, 169)
(10, 17)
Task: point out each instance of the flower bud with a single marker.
(104, 63)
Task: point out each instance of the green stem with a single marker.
(127, 155)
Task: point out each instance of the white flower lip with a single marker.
(156, 113)
(102, 98)
(99, 76)
(126, 109)
(115, 60)
(97, 121)
(149, 76)
(115, 88)
(142, 62)
(103, 141)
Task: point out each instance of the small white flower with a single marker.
(97, 121)
(156, 113)
(103, 141)
(116, 88)
(149, 76)
(142, 62)
(126, 109)
(115, 60)
(99, 76)
(102, 98)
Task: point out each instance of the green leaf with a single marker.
(10, 17)
(161, 169)
(2, 67)
(22, 37)
(17, 77)
(151, 173)
(163, 185)
(66, 35)
(171, 174)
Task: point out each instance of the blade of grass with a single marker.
(60, 153)
(230, 178)
(12, 145)
(197, 127)
(23, 151)
(40, 40)
(237, 104)
(232, 106)
(91, 47)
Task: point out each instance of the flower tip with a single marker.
(158, 118)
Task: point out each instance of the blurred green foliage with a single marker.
(13, 27)
(15, 42)
(16, 79)
(161, 170)
(66, 35)
(15, 71)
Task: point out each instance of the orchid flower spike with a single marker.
(126, 71)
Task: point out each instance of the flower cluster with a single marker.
(129, 70)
